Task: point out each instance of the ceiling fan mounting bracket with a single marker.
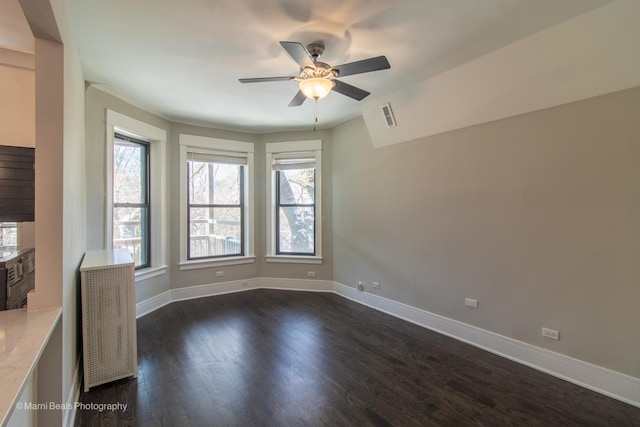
(315, 49)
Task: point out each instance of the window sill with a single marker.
(207, 263)
(150, 272)
(294, 259)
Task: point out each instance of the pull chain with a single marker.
(315, 114)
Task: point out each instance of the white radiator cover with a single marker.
(108, 316)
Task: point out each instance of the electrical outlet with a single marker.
(375, 285)
(311, 274)
(219, 273)
(360, 286)
(473, 303)
(550, 333)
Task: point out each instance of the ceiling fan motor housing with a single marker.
(321, 71)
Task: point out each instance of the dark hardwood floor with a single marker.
(281, 358)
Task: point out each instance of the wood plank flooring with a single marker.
(282, 358)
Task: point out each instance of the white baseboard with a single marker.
(604, 381)
(190, 292)
(152, 304)
(296, 284)
(69, 415)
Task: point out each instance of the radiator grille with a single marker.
(108, 324)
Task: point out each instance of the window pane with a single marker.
(214, 232)
(129, 225)
(214, 183)
(296, 231)
(8, 238)
(129, 172)
(297, 186)
(130, 187)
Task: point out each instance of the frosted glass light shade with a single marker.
(316, 88)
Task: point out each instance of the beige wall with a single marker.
(17, 106)
(17, 77)
(536, 216)
(50, 276)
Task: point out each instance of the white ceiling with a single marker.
(182, 59)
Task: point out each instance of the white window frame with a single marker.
(226, 147)
(312, 148)
(157, 139)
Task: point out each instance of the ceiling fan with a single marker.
(316, 79)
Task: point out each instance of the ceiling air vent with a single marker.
(388, 115)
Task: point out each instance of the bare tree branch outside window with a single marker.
(295, 205)
(215, 209)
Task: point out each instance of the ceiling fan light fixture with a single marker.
(316, 87)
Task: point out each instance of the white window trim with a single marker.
(311, 146)
(216, 262)
(157, 139)
(298, 259)
(227, 147)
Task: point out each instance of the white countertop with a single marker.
(23, 337)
